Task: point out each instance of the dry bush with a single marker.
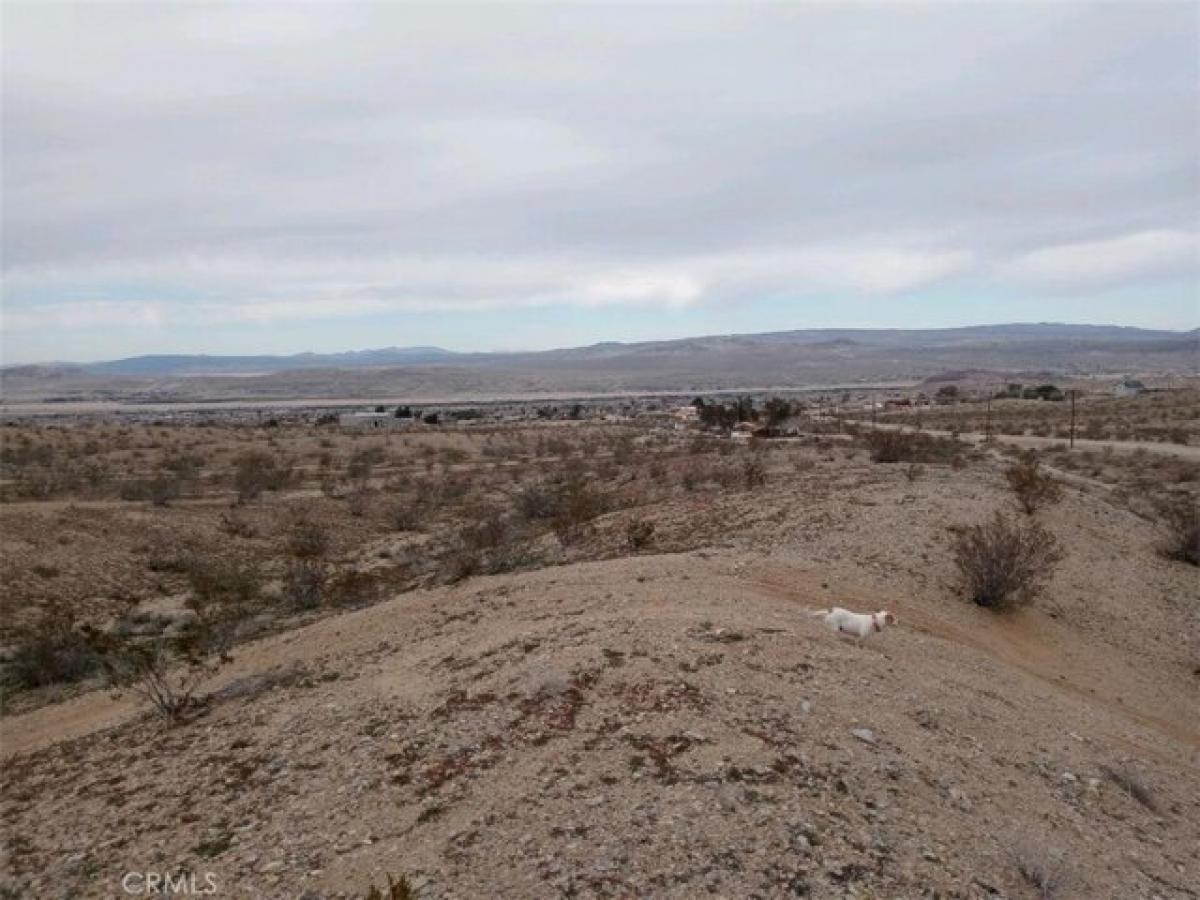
(1034, 489)
(754, 471)
(358, 502)
(1180, 520)
(489, 544)
(639, 533)
(576, 504)
(362, 464)
(50, 651)
(1043, 870)
(236, 526)
(405, 515)
(304, 583)
(395, 890)
(160, 489)
(1003, 564)
(224, 594)
(1132, 785)
(166, 671)
(255, 471)
(535, 501)
(887, 446)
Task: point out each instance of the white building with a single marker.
(1130, 387)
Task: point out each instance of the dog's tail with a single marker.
(818, 613)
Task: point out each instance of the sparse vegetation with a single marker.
(1180, 519)
(1131, 784)
(437, 507)
(1043, 870)
(164, 671)
(1003, 564)
(1033, 488)
(51, 650)
(224, 592)
(893, 446)
(639, 533)
(395, 890)
(256, 471)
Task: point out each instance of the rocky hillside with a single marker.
(672, 726)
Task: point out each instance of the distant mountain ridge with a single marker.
(775, 360)
(168, 365)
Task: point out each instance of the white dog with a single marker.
(859, 624)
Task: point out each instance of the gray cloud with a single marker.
(297, 161)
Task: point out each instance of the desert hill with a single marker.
(674, 724)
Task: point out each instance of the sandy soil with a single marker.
(673, 725)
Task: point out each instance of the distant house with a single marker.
(788, 427)
(1130, 387)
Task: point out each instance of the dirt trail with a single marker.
(1181, 451)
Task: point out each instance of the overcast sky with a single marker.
(276, 178)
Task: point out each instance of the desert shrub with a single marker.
(726, 476)
(1180, 521)
(754, 471)
(184, 466)
(352, 588)
(639, 533)
(1043, 870)
(1131, 784)
(887, 446)
(50, 651)
(255, 471)
(163, 488)
(1003, 564)
(362, 464)
(41, 481)
(166, 671)
(395, 890)
(803, 463)
(358, 502)
(576, 504)
(461, 562)
(236, 526)
(304, 584)
(224, 594)
(535, 501)
(406, 515)
(1033, 488)
(490, 543)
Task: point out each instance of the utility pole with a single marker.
(1072, 418)
(872, 410)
